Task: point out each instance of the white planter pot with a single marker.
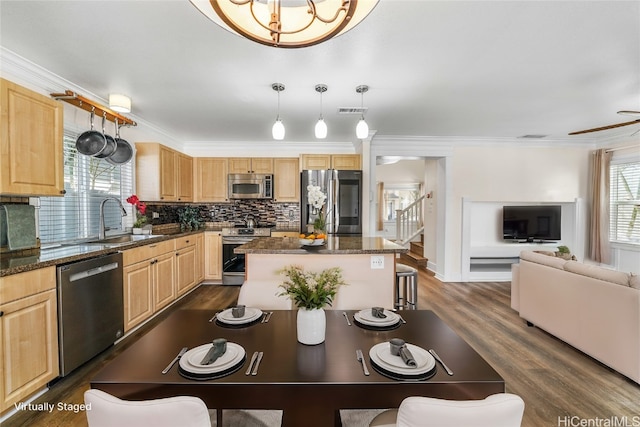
(312, 325)
(136, 230)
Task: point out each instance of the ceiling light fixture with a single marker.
(278, 127)
(120, 103)
(362, 129)
(321, 126)
(286, 23)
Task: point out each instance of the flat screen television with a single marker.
(531, 223)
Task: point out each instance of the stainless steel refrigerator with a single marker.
(343, 206)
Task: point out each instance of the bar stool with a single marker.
(406, 295)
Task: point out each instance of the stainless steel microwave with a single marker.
(250, 186)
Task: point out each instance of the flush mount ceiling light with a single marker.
(321, 126)
(362, 129)
(120, 103)
(286, 23)
(278, 127)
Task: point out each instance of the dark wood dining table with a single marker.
(310, 384)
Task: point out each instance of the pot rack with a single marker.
(88, 105)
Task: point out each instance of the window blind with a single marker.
(625, 202)
(87, 182)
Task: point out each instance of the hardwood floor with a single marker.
(556, 381)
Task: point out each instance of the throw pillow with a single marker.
(634, 281)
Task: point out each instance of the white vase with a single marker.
(312, 324)
(136, 230)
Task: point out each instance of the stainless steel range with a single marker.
(233, 264)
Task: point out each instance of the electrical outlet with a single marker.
(377, 262)
(155, 215)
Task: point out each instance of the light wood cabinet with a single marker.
(199, 257)
(31, 155)
(28, 334)
(331, 161)
(285, 234)
(186, 264)
(149, 281)
(286, 179)
(251, 165)
(211, 179)
(213, 255)
(163, 174)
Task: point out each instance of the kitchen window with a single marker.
(87, 181)
(625, 201)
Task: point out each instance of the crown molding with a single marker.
(465, 141)
(267, 148)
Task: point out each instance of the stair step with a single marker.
(417, 247)
(418, 259)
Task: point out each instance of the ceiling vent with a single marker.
(533, 136)
(352, 110)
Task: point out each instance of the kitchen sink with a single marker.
(125, 238)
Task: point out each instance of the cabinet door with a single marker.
(138, 293)
(168, 175)
(213, 256)
(199, 258)
(30, 142)
(185, 269)
(28, 346)
(346, 162)
(164, 283)
(287, 180)
(185, 178)
(240, 165)
(262, 165)
(211, 179)
(316, 161)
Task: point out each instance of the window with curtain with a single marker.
(625, 201)
(87, 182)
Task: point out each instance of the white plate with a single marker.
(250, 314)
(365, 317)
(190, 361)
(381, 355)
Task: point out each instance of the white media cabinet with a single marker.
(487, 257)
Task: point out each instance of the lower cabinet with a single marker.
(28, 334)
(199, 257)
(213, 255)
(185, 269)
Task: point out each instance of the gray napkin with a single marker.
(378, 312)
(399, 348)
(218, 349)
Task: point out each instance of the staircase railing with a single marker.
(410, 221)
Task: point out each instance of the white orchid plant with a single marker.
(316, 199)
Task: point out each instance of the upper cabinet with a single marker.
(31, 159)
(163, 174)
(251, 165)
(211, 179)
(331, 161)
(287, 179)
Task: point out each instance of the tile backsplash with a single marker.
(264, 212)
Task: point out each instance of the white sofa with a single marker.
(594, 309)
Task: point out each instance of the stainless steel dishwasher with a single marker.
(90, 309)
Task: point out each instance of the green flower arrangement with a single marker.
(311, 290)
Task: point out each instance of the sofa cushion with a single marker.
(598, 272)
(543, 259)
(634, 281)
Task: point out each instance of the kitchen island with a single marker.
(367, 264)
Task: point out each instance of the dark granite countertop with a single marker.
(332, 245)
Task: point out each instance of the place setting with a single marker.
(212, 360)
(400, 360)
(239, 316)
(377, 318)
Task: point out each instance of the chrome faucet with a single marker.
(102, 230)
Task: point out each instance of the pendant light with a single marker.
(321, 126)
(362, 129)
(278, 127)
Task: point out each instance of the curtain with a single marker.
(599, 227)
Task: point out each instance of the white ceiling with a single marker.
(478, 69)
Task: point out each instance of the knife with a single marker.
(175, 359)
(255, 367)
(435, 356)
(253, 359)
(344, 313)
(360, 358)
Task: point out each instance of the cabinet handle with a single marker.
(1, 313)
(186, 241)
(177, 253)
(63, 191)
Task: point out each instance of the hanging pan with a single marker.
(91, 142)
(111, 143)
(124, 151)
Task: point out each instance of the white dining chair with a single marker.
(498, 410)
(106, 410)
